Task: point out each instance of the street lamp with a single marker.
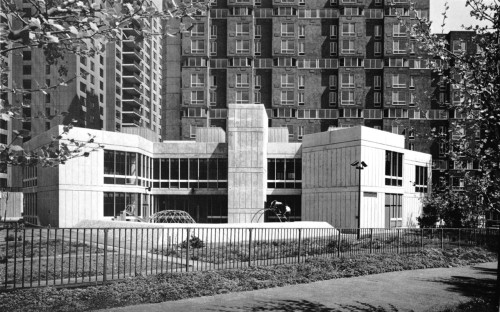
(359, 165)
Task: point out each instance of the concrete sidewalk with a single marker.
(419, 290)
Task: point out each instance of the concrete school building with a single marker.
(229, 177)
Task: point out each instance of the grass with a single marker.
(175, 286)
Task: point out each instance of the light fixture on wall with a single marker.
(359, 165)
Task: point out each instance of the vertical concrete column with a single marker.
(247, 161)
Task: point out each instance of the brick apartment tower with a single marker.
(313, 64)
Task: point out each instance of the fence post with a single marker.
(398, 240)
(442, 238)
(371, 240)
(338, 245)
(187, 250)
(300, 236)
(249, 247)
(422, 238)
(105, 261)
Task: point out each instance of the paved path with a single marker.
(419, 290)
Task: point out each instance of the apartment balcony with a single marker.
(131, 65)
(131, 78)
(132, 89)
(240, 2)
(132, 55)
(131, 32)
(131, 114)
(131, 102)
(131, 123)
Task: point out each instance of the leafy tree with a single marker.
(62, 27)
(476, 135)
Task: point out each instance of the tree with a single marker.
(60, 28)
(475, 136)
(477, 77)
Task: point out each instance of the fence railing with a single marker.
(32, 257)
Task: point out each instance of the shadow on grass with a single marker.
(305, 305)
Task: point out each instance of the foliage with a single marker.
(176, 286)
(194, 242)
(475, 134)
(70, 27)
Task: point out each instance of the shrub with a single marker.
(194, 242)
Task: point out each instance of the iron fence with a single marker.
(32, 257)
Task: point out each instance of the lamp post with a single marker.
(359, 165)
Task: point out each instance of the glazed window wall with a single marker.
(115, 203)
(126, 168)
(393, 168)
(284, 173)
(190, 173)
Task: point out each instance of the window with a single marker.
(348, 29)
(393, 168)
(287, 46)
(398, 81)
(412, 99)
(399, 30)
(377, 48)
(47, 69)
(302, 31)
(242, 46)
(213, 48)
(287, 81)
(27, 70)
(377, 99)
(333, 48)
(302, 47)
(302, 81)
(197, 46)
(257, 97)
(213, 31)
(348, 46)
(198, 29)
(26, 55)
(192, 135)
(300, 132)
(284, 173)
(332, 98)
(333, 31)
(398, 97)
(377, 31)
(242, 81)
(459, 46)
(421, 176)
(287, 29)
(332, 82)
(242, 97)
(457, 183)
(412, 47)
(242, 29)
(347, 97)
(347, 80)
(394, 210)
(287, 97)
(301, 98)
(399, 46)
(197, 97)
(47, 98)
(213, 98)
(257, 31)
(442, 98)
(197, 80)
(412, 82)
(257, 81)
(377, 82)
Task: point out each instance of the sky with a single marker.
(458, 15)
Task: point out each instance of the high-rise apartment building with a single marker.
(314, 65)
(117, 89)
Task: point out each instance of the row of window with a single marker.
(289, 46)
(284, 173)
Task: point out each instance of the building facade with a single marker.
(231, 176)
(113, 90)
